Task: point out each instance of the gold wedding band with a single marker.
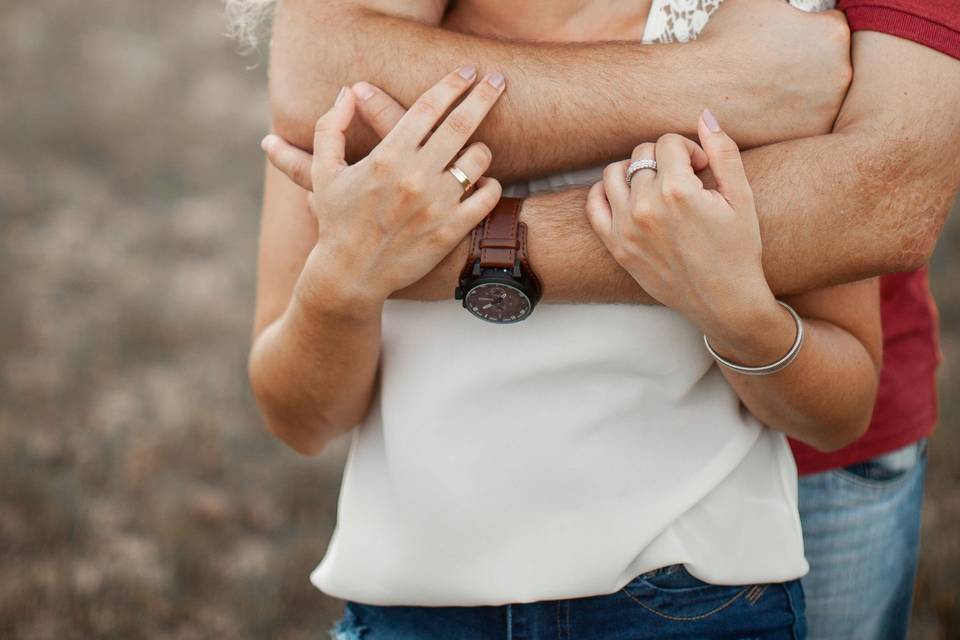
(461, 178)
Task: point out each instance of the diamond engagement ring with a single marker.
(461, 177)
(639, 165)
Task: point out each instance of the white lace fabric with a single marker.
(683, 20)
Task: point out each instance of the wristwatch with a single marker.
(498, 284)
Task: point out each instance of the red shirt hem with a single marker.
(904, 24)
(809, 465)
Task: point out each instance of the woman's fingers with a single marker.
(644, 151)
(615, 185)
(474, 162)
(329, 145)
(463, 121)
(295, 163)
(679, 156)
(426, 112)
(599, 214)
(377, 108)
(725, 162)
(329, 139)
(476, 206)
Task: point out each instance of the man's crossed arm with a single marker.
(598, 98)
(869, 198)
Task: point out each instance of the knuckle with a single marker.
(647, 213)
(484, 154)
(412, 185)
(495, 191)
(619, 253)
(379, 111)
(299, 173)
(611, 171)
(460, 123)
(676, 190)
(427, 107)
(487, 199)
(641, 210)
(445, 236)
(728, 153)
(322, 124)
(669, 139)
(641, 149)
(383, 163)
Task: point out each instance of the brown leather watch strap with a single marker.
(500, 241)
(497, 241)
(525, 258)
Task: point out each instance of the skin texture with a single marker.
(381, 224)
(797, 188)
(670, 232)
(622, 84)
(845, 337)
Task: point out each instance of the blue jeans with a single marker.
(666, 603)
(861, 534)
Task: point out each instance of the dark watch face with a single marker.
(495, 302)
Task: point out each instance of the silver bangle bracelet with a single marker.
(765, 370)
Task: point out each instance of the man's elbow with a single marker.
(307, 52)
(917, 248)
(291, 120)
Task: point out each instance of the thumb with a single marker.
(290, 160)
(725, 162)
(378, 109)
(329, 136)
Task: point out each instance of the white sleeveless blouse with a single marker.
(559, 457)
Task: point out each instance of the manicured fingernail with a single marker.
(343, 91)
(363, 90)
(495, 79)
(467, 72)
(267, 141)
(710, 121)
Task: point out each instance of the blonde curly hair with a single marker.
(247, 20)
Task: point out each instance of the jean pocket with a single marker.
(673, 593)
(886, 470)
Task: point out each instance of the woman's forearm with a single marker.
(372, 228)
(824, 398)
(313, 371)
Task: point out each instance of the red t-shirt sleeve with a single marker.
(933, 23)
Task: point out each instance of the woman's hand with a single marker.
(695, 250)
(388, 220)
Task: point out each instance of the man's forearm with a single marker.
(630, 91)
(570, 260)
(826, 217)
(866, 200)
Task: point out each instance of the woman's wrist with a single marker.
(326, 293)
(755, 333)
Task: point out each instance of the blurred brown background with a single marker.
(140, 497)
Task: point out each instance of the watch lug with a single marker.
(516, 269)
